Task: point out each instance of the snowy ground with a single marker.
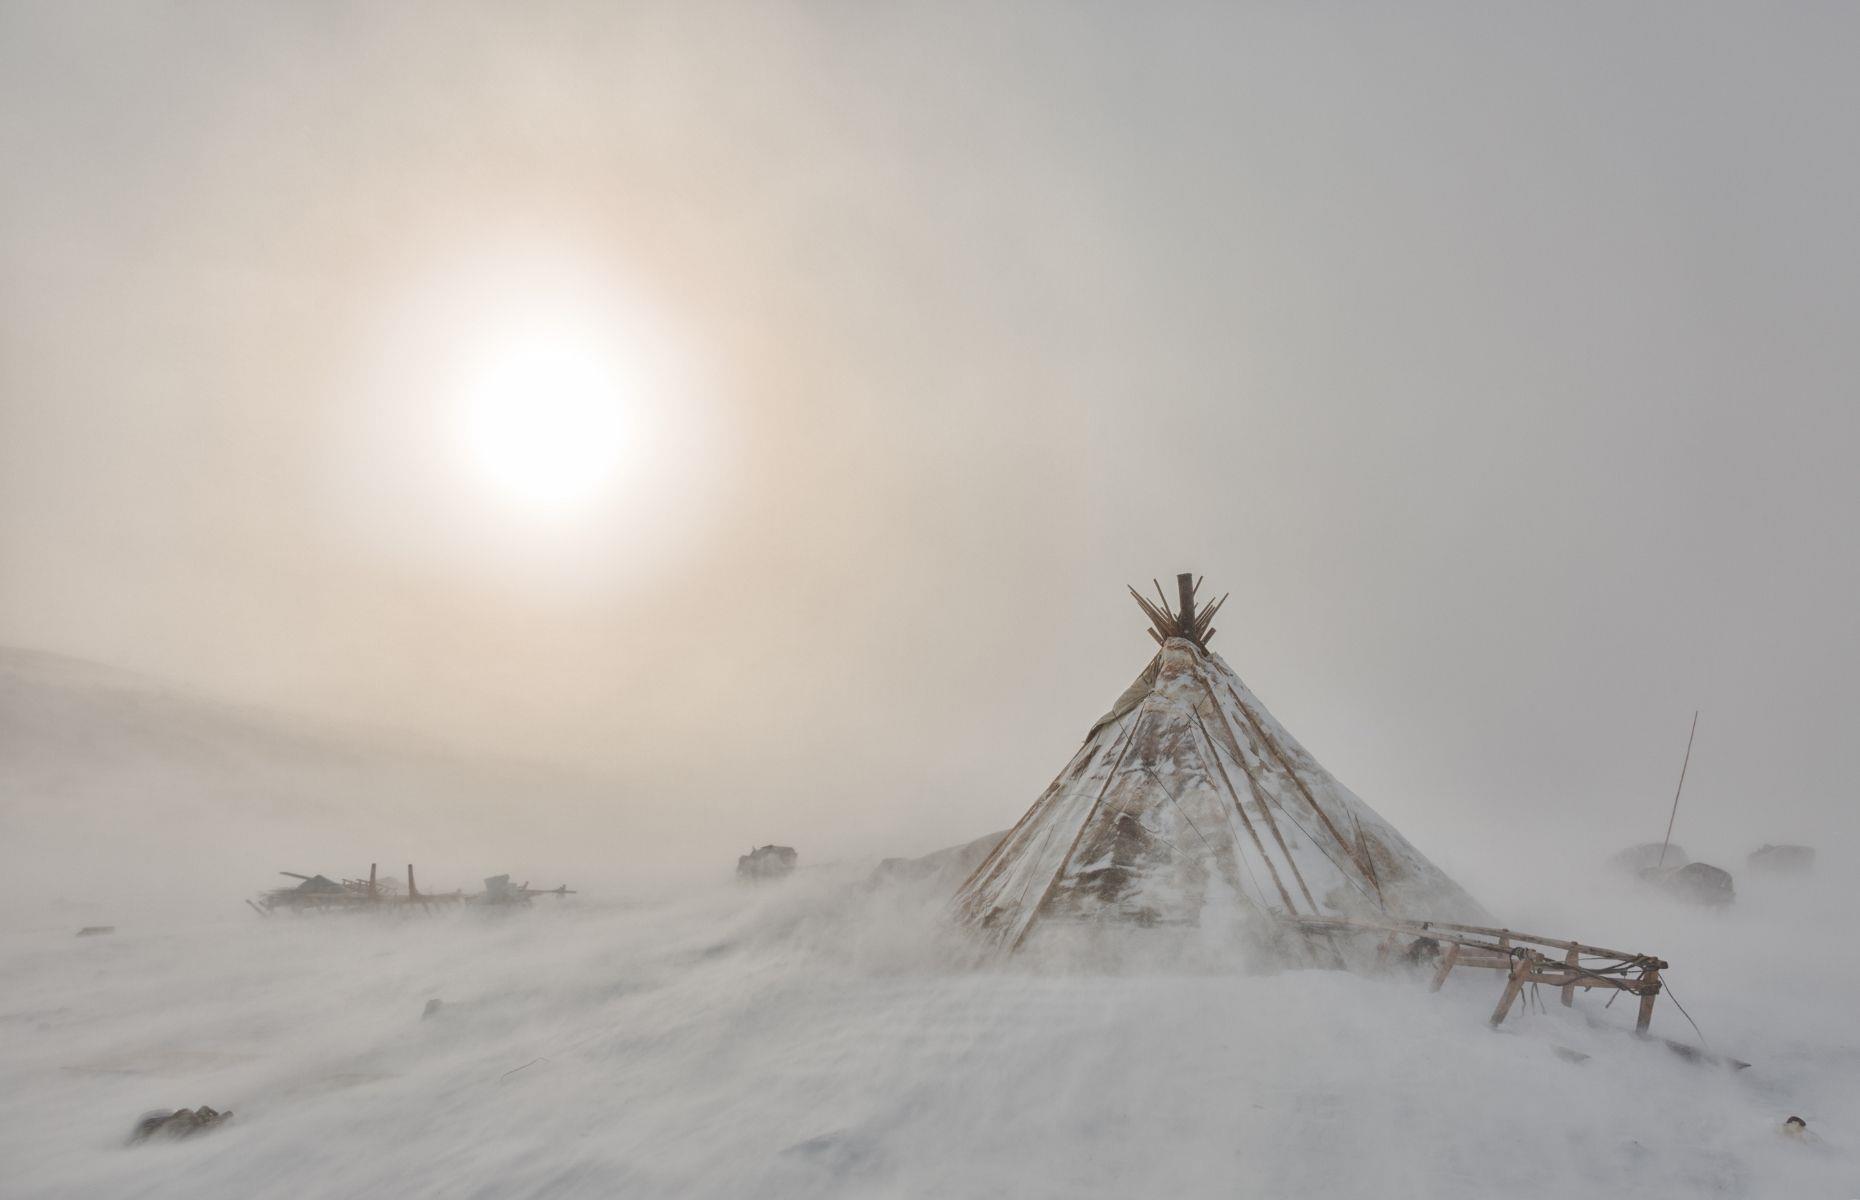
(817, 1039)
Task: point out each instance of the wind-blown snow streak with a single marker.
(813, 1040)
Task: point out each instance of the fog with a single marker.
(1495, 358)
(1492, 357)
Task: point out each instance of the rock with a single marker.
(432, 1007)
(180, 1123)
(766, 862)
(1782, 860)
(1695, 883)
(1636, 859)
(841, 1153)
(96, 930)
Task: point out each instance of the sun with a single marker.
(546, 419)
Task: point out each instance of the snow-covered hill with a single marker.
(815, 1039)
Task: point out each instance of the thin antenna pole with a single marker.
(1682, 787)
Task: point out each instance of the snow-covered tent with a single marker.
(1187, 797)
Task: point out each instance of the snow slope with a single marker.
(814, 1039)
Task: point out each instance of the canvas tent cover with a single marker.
(1188, 795)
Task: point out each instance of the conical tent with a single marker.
(1188, 795)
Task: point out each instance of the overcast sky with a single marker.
(1498, 358)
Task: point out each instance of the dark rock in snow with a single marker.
(1695, 883)
(96, 930)
(432, 1007)
(1782, 860)
(1636, 859)
(180, 1123)
(839, 1153)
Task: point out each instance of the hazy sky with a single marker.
(1498, 358)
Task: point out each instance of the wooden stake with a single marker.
(1207, 614)
(1569, 989)
(1650, 983)
(1513, 986)
(1362, 845)
(1446, 966)
(1164, 624)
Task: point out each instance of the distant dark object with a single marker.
(181, 1123)
(316, 892)
(1694, 883)
(1698, 1054)
(499, 890)
(313, 885)
(321, 894)
(1636, 859)
(96, 930)
(1422, 952)
(432, 1006)
(766, 862)
(1782, 860)
(843, 1153)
